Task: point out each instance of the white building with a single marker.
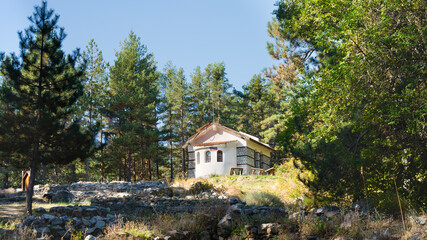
(215, 149)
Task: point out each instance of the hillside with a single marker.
(218, 207)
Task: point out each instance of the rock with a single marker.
(56, 228)
(328, 211)
(90, 237)
(265, 226)
(91, 230)
(415, 237)
(361, 206)
(40, 210)
(86, 222)
(272, 231)
(77, 212)
(421, 220)
(47, 217)
(62, 196)
(386, 234)
(100, 225)
(175, 235)
(234, 201)
(42, 230)
(253, 231)
(56, 221)
(28, 221)
(93, 220)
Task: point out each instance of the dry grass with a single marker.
(146, 227)
(350, 226)
(285, 185)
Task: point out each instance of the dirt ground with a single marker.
(17, 209)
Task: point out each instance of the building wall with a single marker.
(264, 151)
(204, 169)
(240, 153)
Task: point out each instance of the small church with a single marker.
(217, 149)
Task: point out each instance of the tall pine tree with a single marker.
(37, 100)
(132, 107)
(93, 100)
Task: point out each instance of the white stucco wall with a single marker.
(212, 138)
(204, 168)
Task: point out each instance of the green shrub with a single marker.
(262, 199)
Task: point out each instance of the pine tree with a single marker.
(93, 100)
(199, 107)
(259, 104)
(132, 105)
(176, 101)
(38, 97)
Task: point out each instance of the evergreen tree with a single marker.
(93, 100)
(259, 104)
(199, 107)
(131, 108)
(37, 121)
(217, 86)
(176, 98)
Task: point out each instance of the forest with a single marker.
(348, 102)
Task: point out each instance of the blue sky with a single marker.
(188, 33)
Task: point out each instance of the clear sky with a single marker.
(189, 33)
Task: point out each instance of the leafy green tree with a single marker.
(369, 77)
(40, 90)
(131, 108)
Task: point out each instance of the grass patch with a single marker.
(285, 185)
(262, 199)
(147, 226)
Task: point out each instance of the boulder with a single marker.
(48, 218)
(228, 222)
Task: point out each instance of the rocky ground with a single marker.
(95, 210)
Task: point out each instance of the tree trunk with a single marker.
(170, 143)
(6, 179)
(30, 189)
(149, 169)
(102, 154)
(73, 172)
(134, 167)
(128, 167)
(182, 137)
(157, 168)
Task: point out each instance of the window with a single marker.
(256, 160)
(261, 161)
(219, 156)
(208, 156)
(198, 158)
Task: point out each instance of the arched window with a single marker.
(219, 156)
(208, 156)
(198, 158)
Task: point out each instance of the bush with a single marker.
(262, 199)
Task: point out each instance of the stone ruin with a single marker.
(111, 201)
